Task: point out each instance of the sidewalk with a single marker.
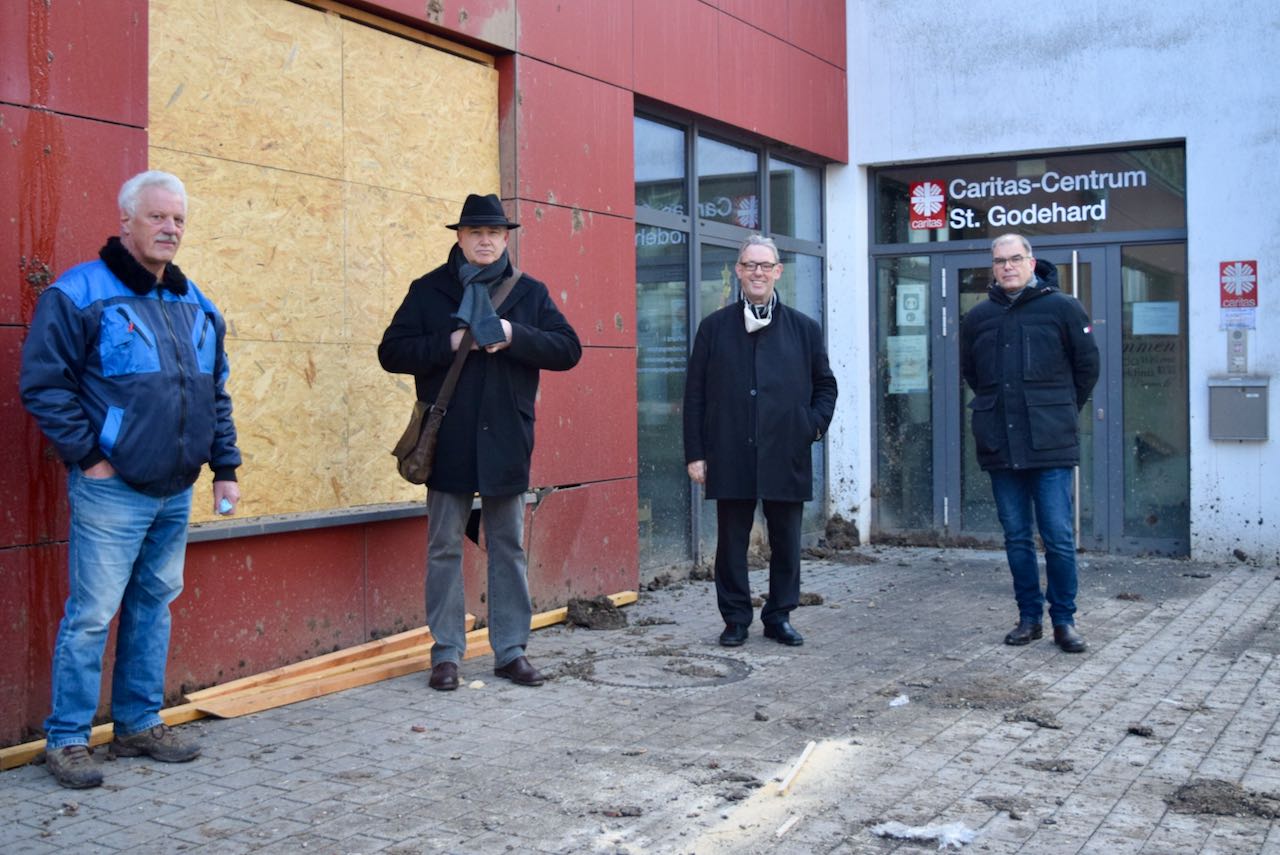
(653, 738)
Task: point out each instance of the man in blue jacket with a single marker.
(1029, 356)
(758, 395)
(123, 369)
(485, 442)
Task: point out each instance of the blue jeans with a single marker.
(125, 553)
(1049, 491)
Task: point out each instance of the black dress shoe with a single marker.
(444, 677)
(520, 671)
(1066, 637)
(734, 635)
(1024, 633)
(783, 633)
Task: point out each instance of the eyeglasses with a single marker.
(753, 266)
(1015, 260)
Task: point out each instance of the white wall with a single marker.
(942, 80)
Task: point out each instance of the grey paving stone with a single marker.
(505, 768)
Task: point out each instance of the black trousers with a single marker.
(733, 535)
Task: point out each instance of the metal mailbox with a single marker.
(1238, 407)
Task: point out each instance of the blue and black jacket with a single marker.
(120, 367)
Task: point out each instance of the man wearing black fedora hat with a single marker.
(486, 438)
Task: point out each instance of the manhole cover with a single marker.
(663, 670)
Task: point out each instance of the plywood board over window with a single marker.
(322, 158)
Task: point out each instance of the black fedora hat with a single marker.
(483, 211)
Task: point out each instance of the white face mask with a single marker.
(756, 322)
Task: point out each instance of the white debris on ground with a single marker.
(955, 834)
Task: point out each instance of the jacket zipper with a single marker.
(182, 376)
(134, 328)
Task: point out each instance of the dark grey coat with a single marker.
(486, 438)
(755, 403)
(1031, 364)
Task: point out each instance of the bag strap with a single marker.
(497, 296)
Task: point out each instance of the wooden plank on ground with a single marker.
(391, 643)
(393, 656)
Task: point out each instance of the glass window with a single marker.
(718, 285)
(660, 175)
(662, 347)
(795, 200)
(904, 376)
(728, 183)
(1154, 361)
(728, 192)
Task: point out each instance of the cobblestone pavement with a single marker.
(654, 739)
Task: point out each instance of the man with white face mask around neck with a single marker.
(758, 394)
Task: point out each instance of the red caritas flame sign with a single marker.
(1238, 282)
(928, 205)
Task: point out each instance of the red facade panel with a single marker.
(596, 43)
(489, 21)
(582, 542)
(818, 26)
(572, 140)
(81, 57)
(768, 15)
(253, 603)
(781, 92)
(17, 571)
(677, 55)
(588, 262)
(41, 604)
(395, 573)
(61, 176)
(33, 494)
(586, 428)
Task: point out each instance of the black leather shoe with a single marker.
(444, 677)
(1024, 633)
(734, 635)
(783, 633)
(520, 671)
(1066, 637)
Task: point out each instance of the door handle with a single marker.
(1101, 414)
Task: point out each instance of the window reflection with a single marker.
(795, 200)
(728, 183)
(662, 343)
(660, 176)
(1154, 362)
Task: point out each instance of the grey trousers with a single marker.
(509, 608)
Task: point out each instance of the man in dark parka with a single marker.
(759, 393)
(1028, 354)
(486, 438)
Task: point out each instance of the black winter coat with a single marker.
(755, 403)
(1031, 364)
(486, 438)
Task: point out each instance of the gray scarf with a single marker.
(476, 309)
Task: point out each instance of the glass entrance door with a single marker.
(968, 506)
(1134, 475)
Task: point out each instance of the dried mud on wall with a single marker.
(322, 159)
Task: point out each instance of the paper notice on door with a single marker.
(1156, 317)
(908, 363)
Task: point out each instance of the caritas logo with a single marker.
(928, 205)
